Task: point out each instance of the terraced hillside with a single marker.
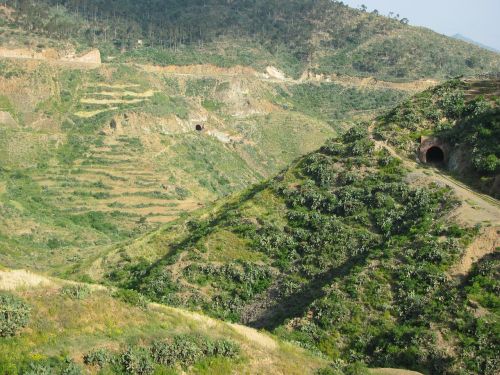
(354, 251)
(95, 155)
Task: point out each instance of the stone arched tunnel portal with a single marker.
(433, 151)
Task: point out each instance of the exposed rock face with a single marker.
(21, 53)
(275, 73)
(92, 57)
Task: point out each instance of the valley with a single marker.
(245, 187)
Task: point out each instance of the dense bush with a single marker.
(131, 297)
(180, 350)
(137, 361)
(188, 349)
(353, 263)
(14, 314)
(52, 366)
(99, 357)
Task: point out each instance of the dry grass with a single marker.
(60, 324)
(391, 371)
(110, 101)
(12, 280)
(146, 94)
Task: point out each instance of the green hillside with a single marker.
(94, 156)
(235, 166)
(465, 116)
(78, 329)
(338, 253)
(322, 36)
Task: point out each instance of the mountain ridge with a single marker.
(340, 39)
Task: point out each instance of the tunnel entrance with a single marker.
(434, 155)
(199, 127)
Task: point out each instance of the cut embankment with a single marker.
(487, 242)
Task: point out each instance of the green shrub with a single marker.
(183, 350)
(38, 369)
(225, 348)
(99, 357)
(76, 291)
(137, 361)
(71, 368)
(52, 366)
(131, 297)
(14, 314)
(186, 350)
(357, 368)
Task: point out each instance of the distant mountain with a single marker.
(468, 40)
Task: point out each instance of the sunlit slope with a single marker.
(68, 322)
(352, 250)
(91, 156)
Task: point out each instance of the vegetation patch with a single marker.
(353, 262)
(180, 351)
(14, 314)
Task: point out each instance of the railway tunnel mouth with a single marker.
(434, 155)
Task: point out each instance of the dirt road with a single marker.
(476, 208)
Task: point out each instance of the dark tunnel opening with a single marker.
(434, 155)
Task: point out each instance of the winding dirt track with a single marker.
(476, 209)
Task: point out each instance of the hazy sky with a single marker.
(476, 19)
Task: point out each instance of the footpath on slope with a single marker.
(476, 209)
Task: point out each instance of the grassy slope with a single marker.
(62, 327)
(338, 253)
